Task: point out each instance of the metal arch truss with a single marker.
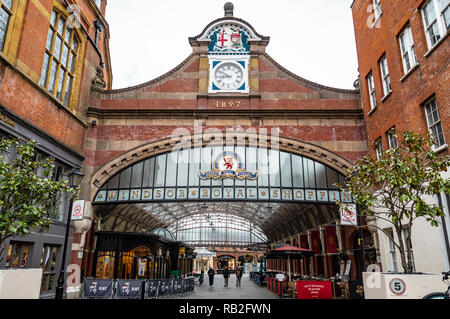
(263, 225)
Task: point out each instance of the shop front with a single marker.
(139, 256)
(225, 261)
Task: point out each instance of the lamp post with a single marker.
(75, 177)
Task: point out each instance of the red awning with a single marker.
(290, 251)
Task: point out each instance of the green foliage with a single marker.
(28, 195)
(393, 187)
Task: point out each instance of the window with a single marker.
(392, 253)
(434, 122)
(408, 245)
(377, 9)
(436, 18)
(385, 75)
(60, 174)
(5, 16)
(58, 69)
(48, 264)
(407, 49)
(372, 95)
(444, 6)
(392, 138)
(18, 255)
(378, 145)
(98, 3)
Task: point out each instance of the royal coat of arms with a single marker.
(228, 165)
(229, 39)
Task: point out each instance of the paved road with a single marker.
(247, 290)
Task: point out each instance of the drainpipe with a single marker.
(90, 40)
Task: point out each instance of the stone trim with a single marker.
(106, 93)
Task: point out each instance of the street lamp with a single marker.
(75, 177)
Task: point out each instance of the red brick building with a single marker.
(403, 55)
(48, 63)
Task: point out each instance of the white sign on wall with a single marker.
(348, 215)
(78, 210)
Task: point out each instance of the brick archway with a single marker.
(286, 144)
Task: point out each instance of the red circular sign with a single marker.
(397, 286)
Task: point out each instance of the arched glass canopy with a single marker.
(252, 195)
(224, 173)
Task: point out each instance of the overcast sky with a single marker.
(311, 38)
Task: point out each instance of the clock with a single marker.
(229, 76)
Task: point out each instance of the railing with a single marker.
(136, 289)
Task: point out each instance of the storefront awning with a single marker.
(203, 252)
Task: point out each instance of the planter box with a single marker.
(401, 286)
(20, 283)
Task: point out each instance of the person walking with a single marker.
(238, 276)
(201, 278)
(226, 275)
(211, 274)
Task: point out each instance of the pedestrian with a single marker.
(238, 276)
(211, 274)
(201, 278)
(226, 275)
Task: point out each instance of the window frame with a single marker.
(407, 49)
(426, 105)
(377, 9)
(439, 21)
(372, 91)
(408, 245)
(49, 272)
(378, 146)
(60, 89)
(392, 249)
(13, 245)
(392, 139)
(10, 13)
(385, 76)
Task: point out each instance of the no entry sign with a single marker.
(348, 215)
(78, 210)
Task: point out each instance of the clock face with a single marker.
(229, 76)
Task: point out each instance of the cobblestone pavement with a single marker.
(247, 290)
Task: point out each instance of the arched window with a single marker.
(5, 16)
(60, 58)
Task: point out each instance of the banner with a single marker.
(164, 287)
(314, 290)
(315, 242)
(129, 289)
(98, 288)
(177, 286)
(331, 239)
(152, 288)
(304, 242)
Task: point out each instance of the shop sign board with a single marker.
(314, 290)
(356, 289)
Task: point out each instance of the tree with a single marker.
(28, 194)
(392, 188)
